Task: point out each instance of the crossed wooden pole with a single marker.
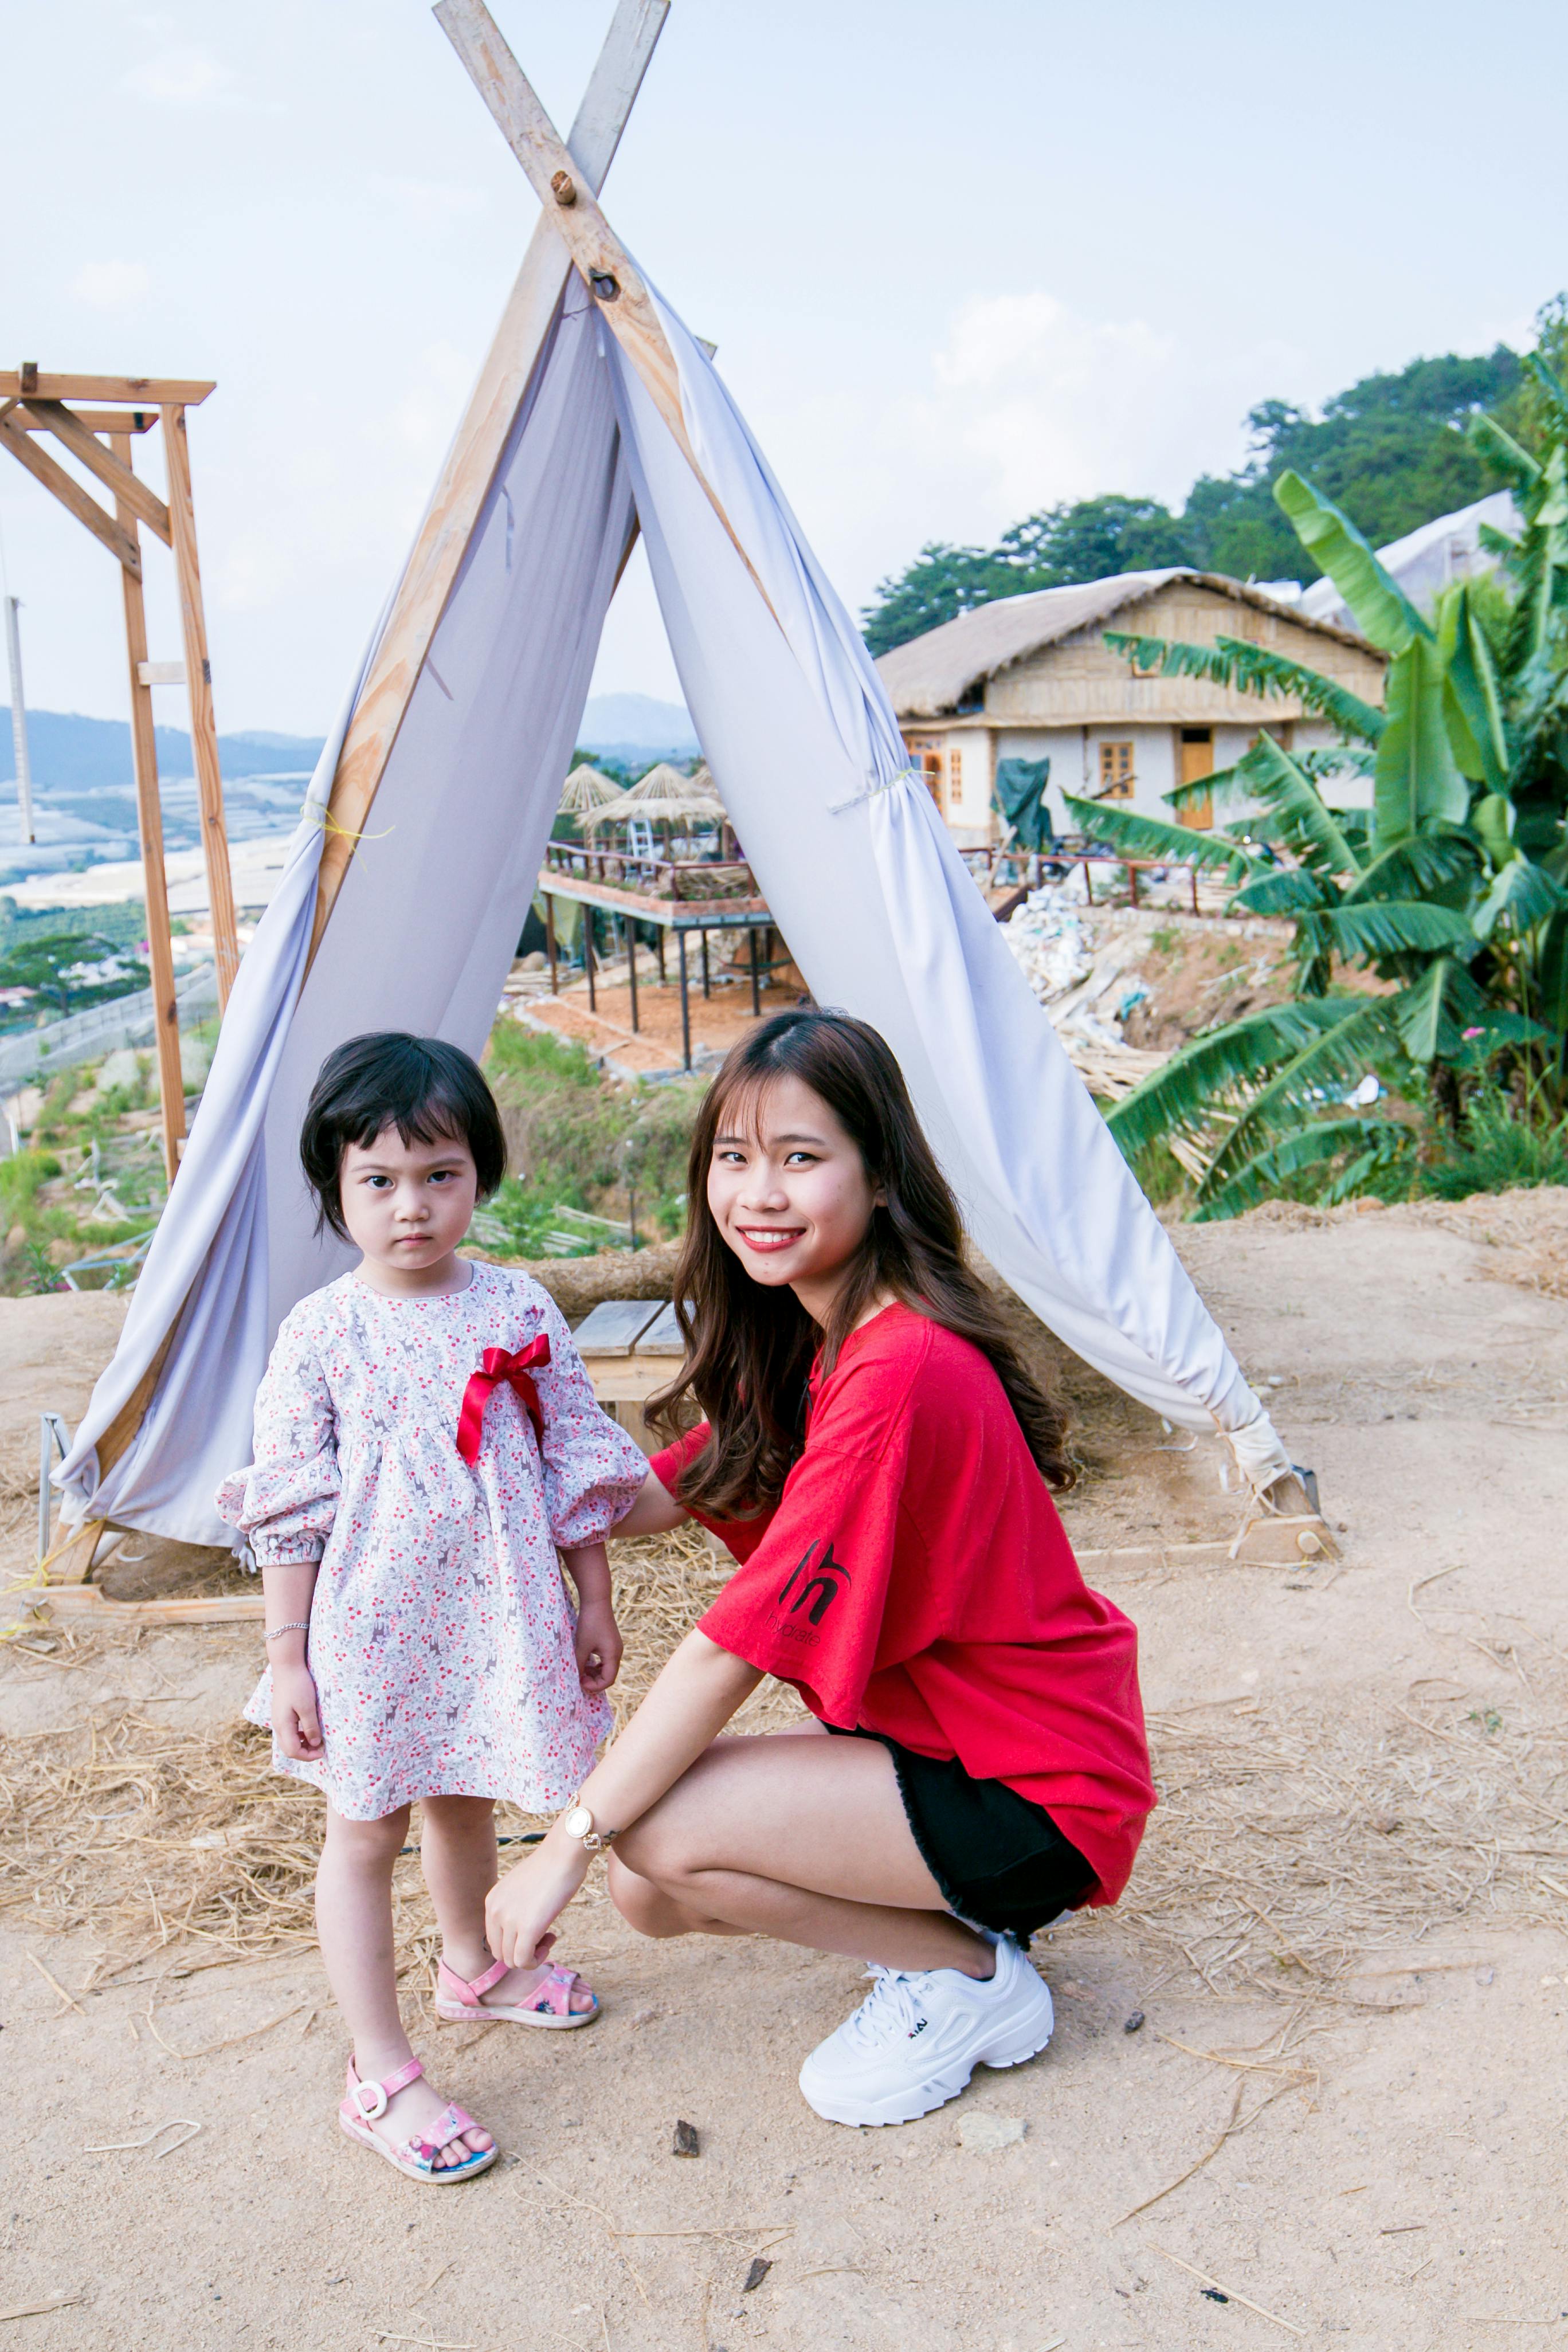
(101, 438)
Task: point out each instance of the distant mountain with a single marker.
(75, 754)
(633, 726)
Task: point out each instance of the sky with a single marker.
(962, 258)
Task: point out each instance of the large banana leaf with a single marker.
(1250, 670)
(1294, 891)
(1552, 973)
(1213, 791)
(1501, 450)
(1313, 1146)
(1524, 893)
(1375, 927)
(1339, 1053)
(1181, 1097)
(1427, 863)
(1291, 794)
(1474, 715)
(1431, 1014)
(1417, 779)
(1381, 609)
(1149, 837)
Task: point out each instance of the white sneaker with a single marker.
(917, 2036)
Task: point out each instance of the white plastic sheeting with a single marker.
(850, 852)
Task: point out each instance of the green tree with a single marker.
(46, 964)
(1456, 892)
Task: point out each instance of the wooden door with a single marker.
(1197, 762)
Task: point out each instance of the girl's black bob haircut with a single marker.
(426, 1089)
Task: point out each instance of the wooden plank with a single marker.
(628, 1380)
(128, 491)
(120, 541)
(154, 878)
(606, 268)
(662, 1336)
(199, 689)
(674, 914)
(614, 1326)
(475, 454)
(96, 420)
(89, 1603)
(139, 390)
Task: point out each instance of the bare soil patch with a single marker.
(1347, 1936)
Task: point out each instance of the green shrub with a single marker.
(1502, 1145)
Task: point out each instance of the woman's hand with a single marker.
(296, 1720)
(522, 1908)
(598, 1646)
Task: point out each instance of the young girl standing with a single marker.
(879, 1460)
(427, 1443)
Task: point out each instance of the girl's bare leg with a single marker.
(353, 1922)
(458, 1853)
(805, 1840)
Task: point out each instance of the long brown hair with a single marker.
(749, 1347)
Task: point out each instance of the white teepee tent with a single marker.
(425, 823)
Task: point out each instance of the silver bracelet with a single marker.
(297, 1625)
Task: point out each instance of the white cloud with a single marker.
(181, 77)
(112, 285)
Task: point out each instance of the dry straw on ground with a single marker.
(1290, 1852)
(149, 1837)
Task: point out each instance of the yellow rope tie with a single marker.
(344, 832)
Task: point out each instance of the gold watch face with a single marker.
(578, 1822)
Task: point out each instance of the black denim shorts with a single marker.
(1000, 1861)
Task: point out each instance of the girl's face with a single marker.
(789, 1192)
(407, 1206)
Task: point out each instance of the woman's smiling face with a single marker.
(789, 1192)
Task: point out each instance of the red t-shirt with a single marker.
(914, 1579)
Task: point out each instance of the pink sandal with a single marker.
(366, 2103)
(458, 2003)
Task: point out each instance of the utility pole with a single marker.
(19, 718)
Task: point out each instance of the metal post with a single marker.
(659, 935)
(685, 1004)
(756, 995)
(550, 940)
(19, 718)
(1133, 880)
(707, 987)
(1192, 879)
(588, 953)
(631, 931)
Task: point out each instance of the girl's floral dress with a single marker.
(441, 1636)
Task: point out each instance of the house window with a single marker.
(1116, 775)
(954, 780)
(925, 759)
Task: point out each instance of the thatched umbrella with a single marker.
(588, 788)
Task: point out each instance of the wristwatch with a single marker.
(579, 1824)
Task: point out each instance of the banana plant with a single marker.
(1454, 895)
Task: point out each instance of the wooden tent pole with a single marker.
(199, 689)
(601, 259)
(150, 822)
(475, 454)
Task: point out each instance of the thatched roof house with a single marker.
(1031, 677)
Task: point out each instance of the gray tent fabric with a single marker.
(848, 851)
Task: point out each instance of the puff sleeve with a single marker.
(593, 1472)
(285, 1501)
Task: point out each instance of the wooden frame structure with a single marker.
(101, 438)
(454, 508)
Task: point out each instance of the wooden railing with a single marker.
(680, 878)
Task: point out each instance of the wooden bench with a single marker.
(631, 1348)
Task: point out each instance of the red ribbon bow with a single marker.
(499, 1368)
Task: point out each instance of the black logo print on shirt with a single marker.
(818, 1594)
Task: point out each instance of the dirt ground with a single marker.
(1348, 1938)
